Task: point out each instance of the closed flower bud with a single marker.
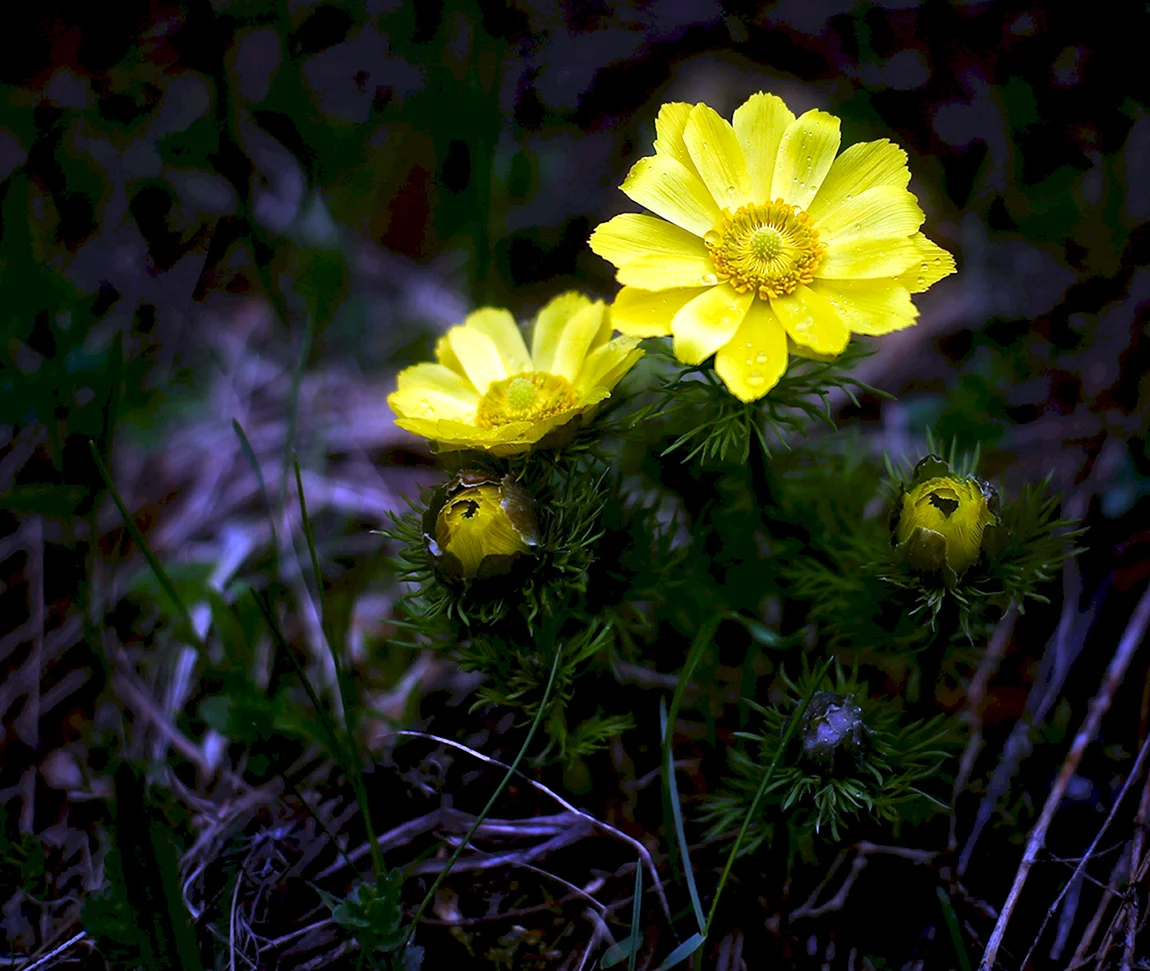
(942, 519)
(478, 525)
(833, 735)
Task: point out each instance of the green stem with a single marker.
(512, 769)
(792, 727)
(161, 575)
(348, 760)
(350, 721)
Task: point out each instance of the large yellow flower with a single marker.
(766, 236)
(487, 392)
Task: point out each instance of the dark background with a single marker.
(260, 211)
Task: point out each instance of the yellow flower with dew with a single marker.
(478, 525)
(768, 240)
(488, 392)
(941, 522)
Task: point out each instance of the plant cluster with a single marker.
(606, 511)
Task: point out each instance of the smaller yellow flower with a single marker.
(488, 392)
(941, 523)
(478, 525)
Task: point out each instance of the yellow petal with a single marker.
(450, 436)
(718, 158)
(884, 212)
(606, 365)
(669, 189)
(871, 307)
(752, 361)
(646, 313)
(669, 125)
(759, 125)
(665, 272)
(705, 324)
(797, 350)
(868, 259)
(446, 356)
(478, 355)
(436, 377)
(499, 325)
(805, 155)
(633, 236)
(433, 391)
(563, 338)
(603, 334)
(859, 168)
(549, 326)
(932, 263)
(812, 321)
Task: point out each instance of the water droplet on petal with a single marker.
(711, 237)
(761, 358)
(756, 377)
(709, 279)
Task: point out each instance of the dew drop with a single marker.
(711, 237)
(756, 377)
(760, 358)
(709, 279)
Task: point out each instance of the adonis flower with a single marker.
(478, 525)
(941, 521)
(765, 235)
(488, 392)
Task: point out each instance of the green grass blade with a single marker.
(511, 770)
(293, 401)
(250, 455)
(677, 817)
(155, 565)
(792, 727)
(350, 721)
(636, 910)
(953, 927)
(628, 948)
(333, 736)
(694, 656)
(620, 952)
(151, 878)
(683, 951)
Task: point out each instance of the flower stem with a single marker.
(792, 727)
(512, 769)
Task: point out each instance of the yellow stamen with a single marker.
(770, 249)
(530, 396)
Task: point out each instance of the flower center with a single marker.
(531, 396)
(770, 249)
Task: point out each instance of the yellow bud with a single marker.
(941, 523)
(478, 525)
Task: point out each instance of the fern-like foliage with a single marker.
(714, 426)
(871, 766)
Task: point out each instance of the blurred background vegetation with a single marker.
(228, 210)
